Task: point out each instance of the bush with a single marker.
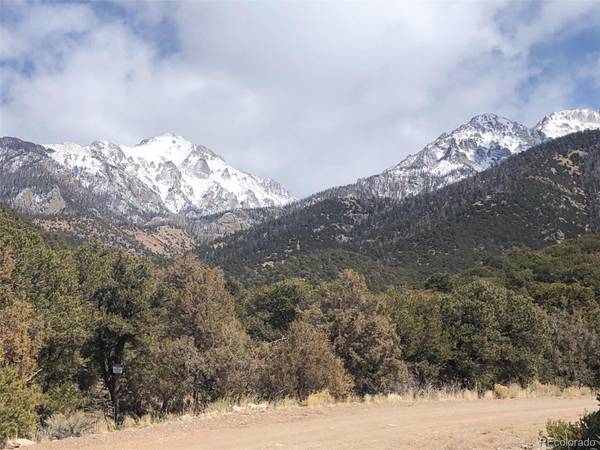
(362, 336)
(65, 397)
(20, 337)
(17, 405)
(170, 377)
(498, 336)
(574, 349)
(200, 308)
(302, 364)
(270, 310)
(584, 434)
(61, 426)
(501, 391)
(423, 334)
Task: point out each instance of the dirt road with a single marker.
(460, 425)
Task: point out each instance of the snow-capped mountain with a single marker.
(184, 177)
(483, 142)
(561, 123)
(161, 176)
(166, 179)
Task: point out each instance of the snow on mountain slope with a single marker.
(561, 123)
(167, 175)
(483, 142)
(170, 173)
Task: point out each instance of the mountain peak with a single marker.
(559, 123)
(166, 136)
(167, 140)
(574, 112)
(483, 142)
(169, 171)
(489, 120)
(161, 148)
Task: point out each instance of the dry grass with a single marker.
(61, 426)
(319, 399)
(284, 403)
(423, 395)
(245, 403)
(489, 395)
(501, 391)
(220, 406)
(442, 395)
(572, 392)
(516, 391)
(537, 389)
(323, 398)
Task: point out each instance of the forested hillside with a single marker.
(533, 199)
(184, 337)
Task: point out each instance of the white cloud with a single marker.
(591, 70)
(311, 94)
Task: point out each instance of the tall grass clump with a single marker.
(61, 426)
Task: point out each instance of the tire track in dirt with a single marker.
(451, 425)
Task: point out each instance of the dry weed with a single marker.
(319, 399)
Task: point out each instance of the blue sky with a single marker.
(567, 55)
(310, 94)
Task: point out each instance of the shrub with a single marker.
(424, 337)
(585, 432)
(170, 377)
(270, 310)
(302, 364)
(17, 405)
(61, 426)
(20, 337)
(574, 349)
(501, 391)
(559, 430)
(363, 337)
(200, 307)
(64, 397)
(497, 334)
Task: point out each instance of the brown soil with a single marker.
(460, 425)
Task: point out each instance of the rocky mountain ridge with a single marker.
(169, 173)
(167, 180)
(126, 195)
(483, 142)
(535, 198)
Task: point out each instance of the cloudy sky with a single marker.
(310, 94)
